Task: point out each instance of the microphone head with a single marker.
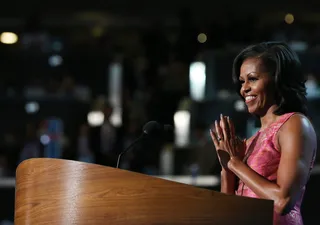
(151, 128)
(155, 128)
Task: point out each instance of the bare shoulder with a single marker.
(298, 130)
(299, 124)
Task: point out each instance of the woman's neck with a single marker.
(268, 118)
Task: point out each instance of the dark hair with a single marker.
(284, 65)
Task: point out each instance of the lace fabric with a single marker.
(263, 157)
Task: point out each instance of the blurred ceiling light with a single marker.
(32, 107)
(239, 106)
(45, 139)
(202, 38)
(8, 38)
(55, 60)
(116, 117)
(289, 18)
(182, 128)
(197, 78)
(95, 118)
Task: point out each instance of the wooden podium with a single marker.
(64, 192)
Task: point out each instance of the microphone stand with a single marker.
(129, 147)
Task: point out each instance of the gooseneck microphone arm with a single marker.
(129, 147)
(150, 129)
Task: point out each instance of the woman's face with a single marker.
(257, 86)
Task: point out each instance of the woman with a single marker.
(276, 162)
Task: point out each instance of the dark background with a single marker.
(155, 42)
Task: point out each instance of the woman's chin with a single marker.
(252, 110)
(255, 113)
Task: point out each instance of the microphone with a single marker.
(150, 129)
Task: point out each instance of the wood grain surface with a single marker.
(55, 191)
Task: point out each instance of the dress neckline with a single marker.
(275, 122)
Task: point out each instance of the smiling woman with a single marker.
(256, 86)
(278, 71)
(276, 162)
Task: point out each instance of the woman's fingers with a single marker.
(218, 129)
(225, 127)
(231, 128)
(214, 138)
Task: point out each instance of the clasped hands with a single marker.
(227, 144)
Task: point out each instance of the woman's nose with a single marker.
(246, 87)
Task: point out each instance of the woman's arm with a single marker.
(297, 142)
(228, 182)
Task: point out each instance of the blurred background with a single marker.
(80, 79)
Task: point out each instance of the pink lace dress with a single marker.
(265, 159)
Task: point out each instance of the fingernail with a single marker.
(221, 116)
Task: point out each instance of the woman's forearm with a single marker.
(259, 185)
(228, 182)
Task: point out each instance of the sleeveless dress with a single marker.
(265, 159)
